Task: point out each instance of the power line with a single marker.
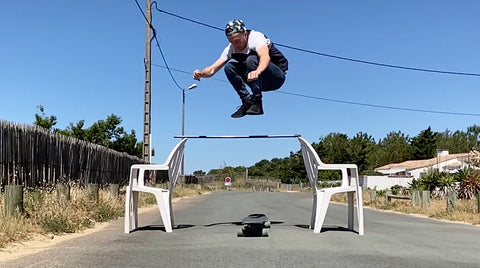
(156, 40)
(378, 64)
(349, 102)
(329, 55)
(168, 68)
(143, 13)
(322, 54)
(185, 18)
(185, 72)
(377, 105)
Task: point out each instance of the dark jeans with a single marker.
(270, 79)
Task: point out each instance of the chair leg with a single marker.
(128, 204)
(170, 210)
(314, 211)
(360, 212)
(350, 211)
(322, 206)
(163, 205)
(135, 209)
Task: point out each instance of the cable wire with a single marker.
(349, 102)
(317, 53)
(157, 42)
(185, 18)
(185, 72)
(377, 105)
(329, 55)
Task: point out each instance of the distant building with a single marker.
(403, 173)
(415, 168)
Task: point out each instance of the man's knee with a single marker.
(229, 68)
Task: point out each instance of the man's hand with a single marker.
(253, 75)
(197, 74)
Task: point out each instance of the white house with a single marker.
(415, 168)
(404, 172)
(385, 182)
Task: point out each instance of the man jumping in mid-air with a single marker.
(257, 63)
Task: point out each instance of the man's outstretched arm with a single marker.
(210, 70)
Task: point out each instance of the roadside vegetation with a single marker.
(466, 211)
(464, 185)
(46, 214)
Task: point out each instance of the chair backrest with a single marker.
(311, 161)
(174, 162)
(313, 164)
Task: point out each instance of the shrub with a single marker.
(396, 189)
(430, 180)
(470, 185)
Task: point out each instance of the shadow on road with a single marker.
(162, 228)
(236, 223)
(327, 228)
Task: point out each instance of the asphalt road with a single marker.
(205, 236)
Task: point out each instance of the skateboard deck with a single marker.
(254, 225)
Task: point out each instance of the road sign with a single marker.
(228, 181)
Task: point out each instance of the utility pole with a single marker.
(148, 87)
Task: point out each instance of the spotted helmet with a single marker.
(234, 26)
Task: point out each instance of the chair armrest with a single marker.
(337, 166)
(343, 168)
(142, 168)
(150, 166)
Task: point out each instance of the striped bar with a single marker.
(237, 137)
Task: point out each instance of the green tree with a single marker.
(456, 142)
(394, 148)
(333, 148)
(261, 168)
(294, 168)
(128, 143)
(44, 121)
(104, 132)
(75, 130)
(424, 145)
(473, 133)
(107, 132)
(199, 173)
(360, 147)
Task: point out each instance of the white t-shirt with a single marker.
(255, 41)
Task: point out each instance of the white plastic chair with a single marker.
(163, 196)
(321, 197)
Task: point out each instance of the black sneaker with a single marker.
(256, 108)
(242, 111)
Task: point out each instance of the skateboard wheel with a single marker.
(267, 224)
(240, 233)
(264, 232)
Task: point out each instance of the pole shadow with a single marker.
(236, 223)
(161, 227)
(327, 228)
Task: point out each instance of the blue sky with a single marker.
(84, 60)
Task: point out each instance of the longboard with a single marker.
(254, 225)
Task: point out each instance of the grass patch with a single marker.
(183, 192)
(54, 215)
(45, 213)
(15, 228)
(465, 210)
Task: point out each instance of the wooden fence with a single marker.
(32, 156)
